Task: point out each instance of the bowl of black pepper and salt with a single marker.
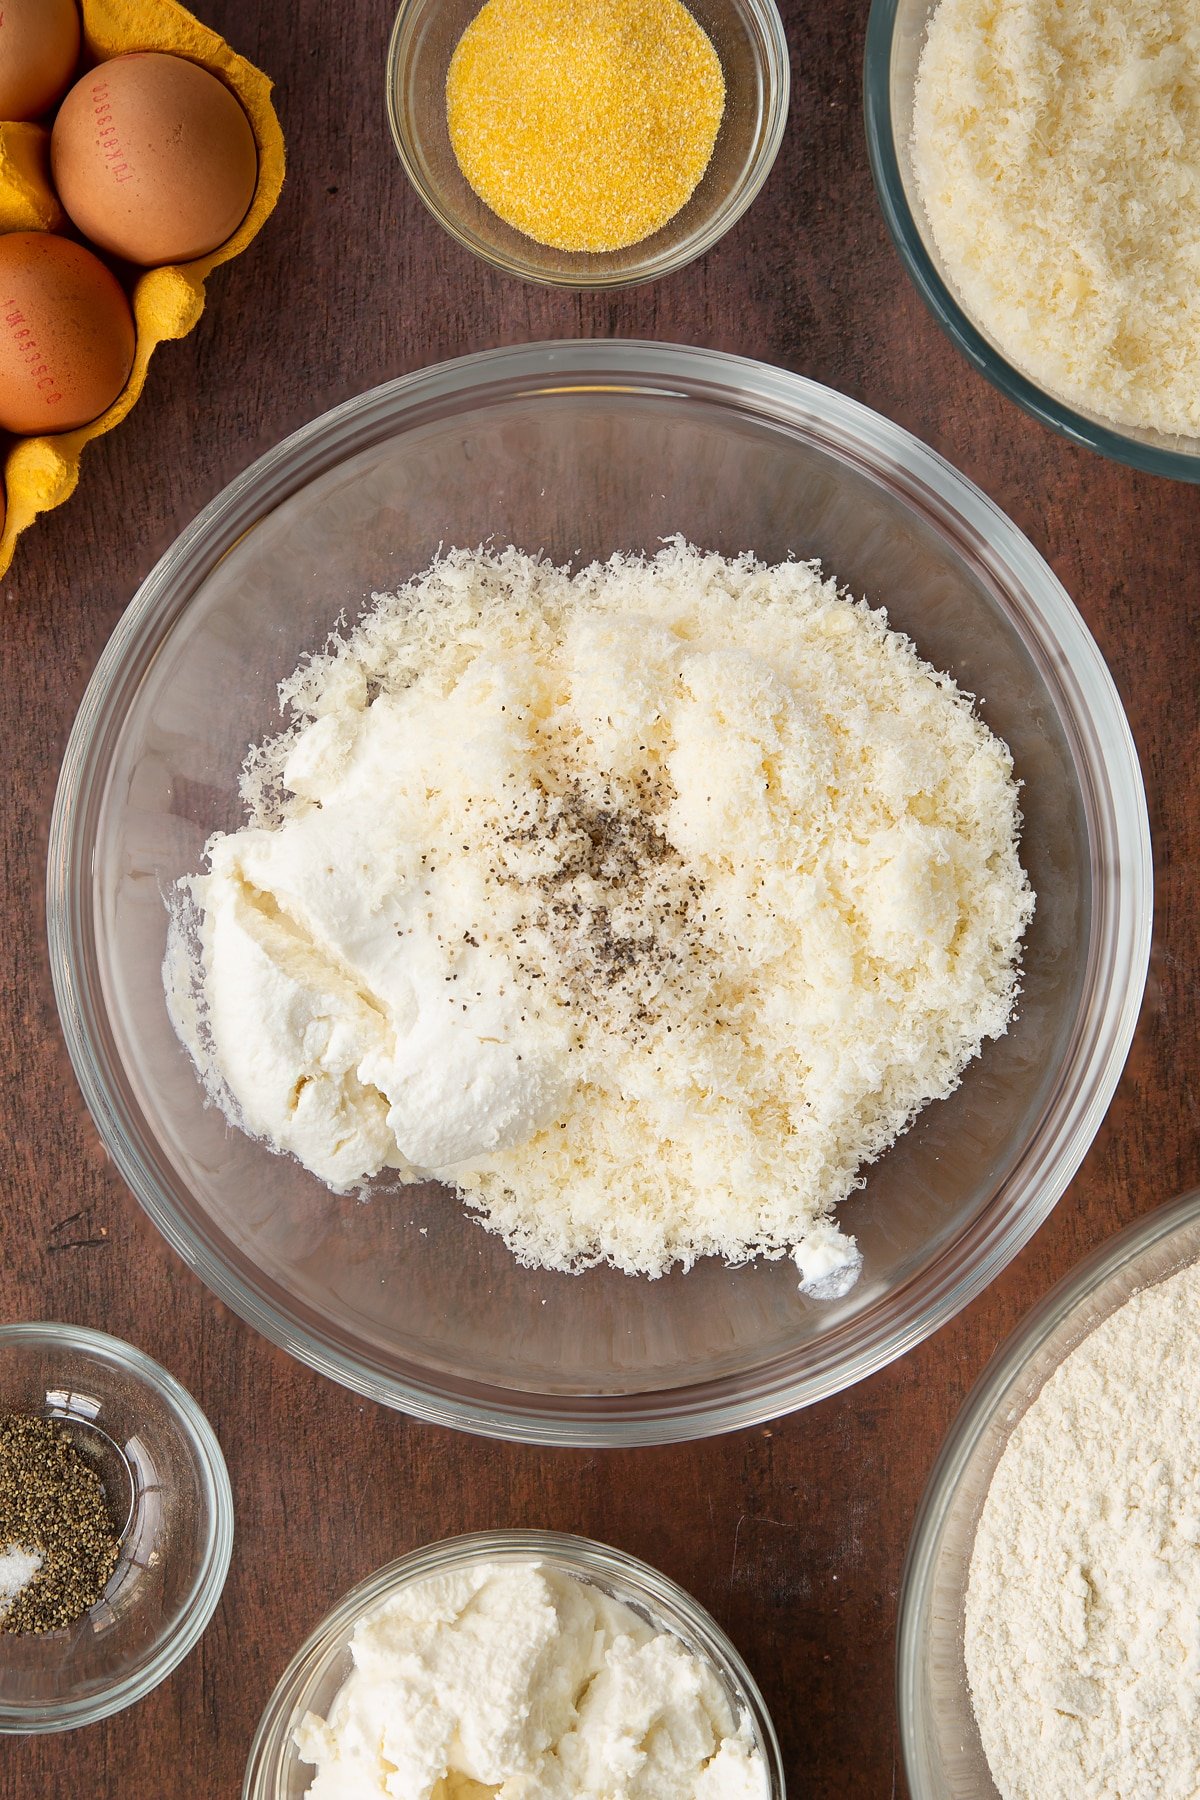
(116, 1526)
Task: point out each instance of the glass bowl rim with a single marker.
(1107, 440)
(1001, 1374)
(641, 369)
(775, 70)
(583, 1557)
(197, 1609)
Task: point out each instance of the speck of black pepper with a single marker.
(611, 919)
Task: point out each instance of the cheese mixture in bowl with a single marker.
(643, 905)
(581, 449)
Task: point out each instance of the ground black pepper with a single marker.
(611, 898)
(52, 1501)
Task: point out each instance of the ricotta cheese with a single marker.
(643, 905)
(515, 1680)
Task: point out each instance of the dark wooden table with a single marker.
(794, 1535)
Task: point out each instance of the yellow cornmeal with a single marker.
(586, 124)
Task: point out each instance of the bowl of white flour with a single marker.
(669, 890)
(1046, 1640)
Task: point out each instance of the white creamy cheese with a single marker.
(829, 1262)
(353, 1012)
(516, 1680)
(645, 905)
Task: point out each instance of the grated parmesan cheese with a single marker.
(711, 883)
(1056, 145)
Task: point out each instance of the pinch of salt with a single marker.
(18, 1567)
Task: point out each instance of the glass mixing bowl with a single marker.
(581, 449)
(169, 1496)
(749, 38)
(895, 37)
(943, 1756)
(275, 1769)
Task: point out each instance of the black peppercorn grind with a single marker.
(53, 1505)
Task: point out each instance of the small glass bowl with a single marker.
(895, 38)
(166, 1482)
(749, 39)
(276, 1770)
(943, 1755)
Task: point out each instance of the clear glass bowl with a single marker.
(895, 37)
(943, 1756)
(582, 449)
(749, 39)
(165, 1477)
(275, 1770)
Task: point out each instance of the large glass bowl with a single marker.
(171, 1505)
(895, 37)
(944, 1757)
(275, 1769)
(582, 449)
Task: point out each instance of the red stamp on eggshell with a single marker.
(106, 133)
(27, 348)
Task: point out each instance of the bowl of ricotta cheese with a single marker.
(599, 893)
(516, 1663)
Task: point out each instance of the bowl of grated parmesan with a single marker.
(652, 882)
(1030, 158)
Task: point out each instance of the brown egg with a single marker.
(66, 334)
(39, 47)
(153, 158)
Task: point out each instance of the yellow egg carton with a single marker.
(41, 472)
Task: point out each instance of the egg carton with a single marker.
(42, 472)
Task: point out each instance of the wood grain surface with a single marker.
(794, 1535)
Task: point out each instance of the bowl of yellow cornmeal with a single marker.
(599, 893)
(587, 143)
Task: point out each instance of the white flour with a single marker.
(1083, 1605)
